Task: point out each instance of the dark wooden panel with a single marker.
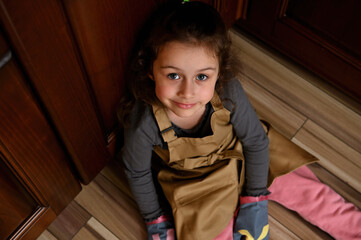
(231, 10)
(35, 177)
(16, 204)
(105, 31)
(40, 34)
(339, 21)
(327, 60)
(321, 35)
(29, 145)
(35, 225)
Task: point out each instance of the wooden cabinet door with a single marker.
(41, 38)
(16, 203)
(74, 54)
(105, 32)
(322, 35)
(36, 180)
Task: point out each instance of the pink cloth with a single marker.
(301, 191)
(227, 233)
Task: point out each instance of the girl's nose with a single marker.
(186, 89)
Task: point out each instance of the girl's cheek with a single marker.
(163, 91)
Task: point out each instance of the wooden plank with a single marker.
(295, 224)
(300, 94)
(46, 235)
(69, 222)
(99, 228)
(113, 208)
(279, 231)
(85, 233)
(95, 230)
(114, 172)
(270, 108)
(334, 155)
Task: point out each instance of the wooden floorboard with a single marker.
(298, 92)
(313, 117)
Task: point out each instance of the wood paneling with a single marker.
(41, 37)
(35, 225)
(105, 32)
(321, 35)
(29, 146)
(16, 203)
(328, 22)
(39, 168)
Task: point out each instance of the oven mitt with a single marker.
(252, 219)
(161, 229)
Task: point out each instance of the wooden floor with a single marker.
(309, 113)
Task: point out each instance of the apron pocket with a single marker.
(217, 184)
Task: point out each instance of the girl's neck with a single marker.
(186, 122)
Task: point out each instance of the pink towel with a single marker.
(301, 191)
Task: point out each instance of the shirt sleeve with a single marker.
(254, 139)
(139, 139)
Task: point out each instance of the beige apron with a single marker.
(202, 181)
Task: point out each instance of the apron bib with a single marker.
(203, 177)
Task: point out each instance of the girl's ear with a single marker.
(151, 76)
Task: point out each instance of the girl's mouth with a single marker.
(184, 106)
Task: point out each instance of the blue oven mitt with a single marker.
(252, 219)
(162, 228)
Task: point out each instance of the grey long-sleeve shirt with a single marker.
(143, 134)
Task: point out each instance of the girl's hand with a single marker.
(161, 229)
(252, 219)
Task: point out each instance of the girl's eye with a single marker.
(173, 76)
(202, 77)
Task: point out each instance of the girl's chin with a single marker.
(181, 113)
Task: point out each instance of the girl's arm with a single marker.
(253, 137)
(139, 138)
(252, 216)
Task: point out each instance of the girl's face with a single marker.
(185, 76)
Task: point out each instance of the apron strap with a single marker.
(216, 102)
(165, 126)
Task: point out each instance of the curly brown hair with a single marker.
(192, 23)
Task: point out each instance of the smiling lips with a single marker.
(184, 106)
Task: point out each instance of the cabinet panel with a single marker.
(339, 22)
(322, 35)
(105, 32)
(16, 204)
(40, 35)
(37, 182)
(28, 143)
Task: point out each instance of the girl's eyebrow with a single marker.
(199, 70)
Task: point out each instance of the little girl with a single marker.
(195, 154)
